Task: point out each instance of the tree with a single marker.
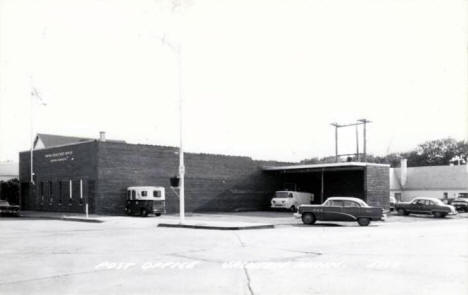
(430, 153)
(462, 151)
(435, 152)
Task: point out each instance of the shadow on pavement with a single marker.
(319, 225)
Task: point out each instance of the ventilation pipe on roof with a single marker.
(102, 136)
(403, 171)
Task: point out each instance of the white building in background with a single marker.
(442, 182)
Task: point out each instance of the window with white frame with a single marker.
(70, 191)
(81, 191)
(51, 192)
(42, 191)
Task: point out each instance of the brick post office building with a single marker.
(70, 171)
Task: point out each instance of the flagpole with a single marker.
(33, 94)
(31, 129)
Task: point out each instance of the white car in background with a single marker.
(291, 200)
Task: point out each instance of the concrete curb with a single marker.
(216, 227)
(65, 218)
(82, 219)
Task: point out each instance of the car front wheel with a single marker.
(363, 221)
(308, 218)
(144, 213)
(402, 212)
(439, 214)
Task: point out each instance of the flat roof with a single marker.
(324, 166)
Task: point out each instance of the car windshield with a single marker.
(437, 202)
(281, 194)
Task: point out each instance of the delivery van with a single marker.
(144, 200)
(291, 200)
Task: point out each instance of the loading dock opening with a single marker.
(367, 181)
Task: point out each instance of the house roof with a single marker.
(51, 140)
(319, 166)
(431, 178)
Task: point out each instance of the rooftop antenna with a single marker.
(363, 122)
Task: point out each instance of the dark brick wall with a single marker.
(54, 168)
(212, 182)
(378, 186)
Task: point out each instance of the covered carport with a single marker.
(367, 181)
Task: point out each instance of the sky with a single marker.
(259, 78)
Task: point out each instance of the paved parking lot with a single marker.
(131, 255)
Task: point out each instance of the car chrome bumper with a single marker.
(9, 211)
(278, 207)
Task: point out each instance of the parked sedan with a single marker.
(8, 209)
(340, 209)
(431, 206)
(460, 204)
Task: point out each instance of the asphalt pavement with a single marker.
(132, 255)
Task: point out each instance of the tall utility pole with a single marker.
(181, 146)
(177, 49)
